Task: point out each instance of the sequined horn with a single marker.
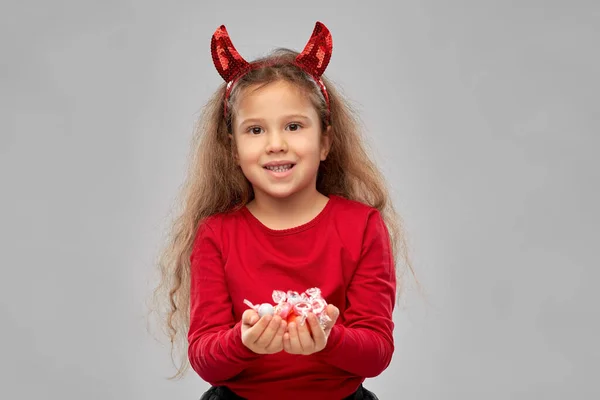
(227, 60)
(315, 56)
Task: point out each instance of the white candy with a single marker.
(293, 297)
(279, 296)
(265, 309)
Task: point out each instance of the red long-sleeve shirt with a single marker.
(345, 251)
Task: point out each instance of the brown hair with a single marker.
(215, 184)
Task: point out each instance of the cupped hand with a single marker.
(300, 340)
(262, 335)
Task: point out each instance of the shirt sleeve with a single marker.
(364, 343)
(215, 351)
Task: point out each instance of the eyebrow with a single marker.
(291, 116)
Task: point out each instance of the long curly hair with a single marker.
(216, 184)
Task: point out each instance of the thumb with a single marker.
(250, 317)
(333, 312)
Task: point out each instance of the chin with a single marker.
(280, 195)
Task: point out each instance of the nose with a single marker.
(276, 142)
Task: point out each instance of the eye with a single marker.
(294, 126)
(255, 130)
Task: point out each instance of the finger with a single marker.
(256, 331)
(250, 317)
(287, 344)
(269, 332)
(327, 328)
(333, 312)
(277, 342)
(305, 337)
(328, 325)
(318, 334)
(296, 346)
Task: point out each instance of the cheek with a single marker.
(308, 147)
(247, 157)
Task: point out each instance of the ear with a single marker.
(325, 143)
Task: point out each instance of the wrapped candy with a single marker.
(283, 309)
(262, 309)
(294, 306)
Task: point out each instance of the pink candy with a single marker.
(290, 302)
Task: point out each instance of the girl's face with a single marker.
(279, 141)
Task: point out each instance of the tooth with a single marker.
(280, 168)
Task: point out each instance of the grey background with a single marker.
(483, 114)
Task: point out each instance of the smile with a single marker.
(279, 171)
(279, 168)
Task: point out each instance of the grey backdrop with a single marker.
(484, 115)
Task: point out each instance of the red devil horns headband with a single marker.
(231, 66)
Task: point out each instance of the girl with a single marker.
(282, 195)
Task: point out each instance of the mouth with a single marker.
(279, 168)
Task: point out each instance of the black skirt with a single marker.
(223, 393)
